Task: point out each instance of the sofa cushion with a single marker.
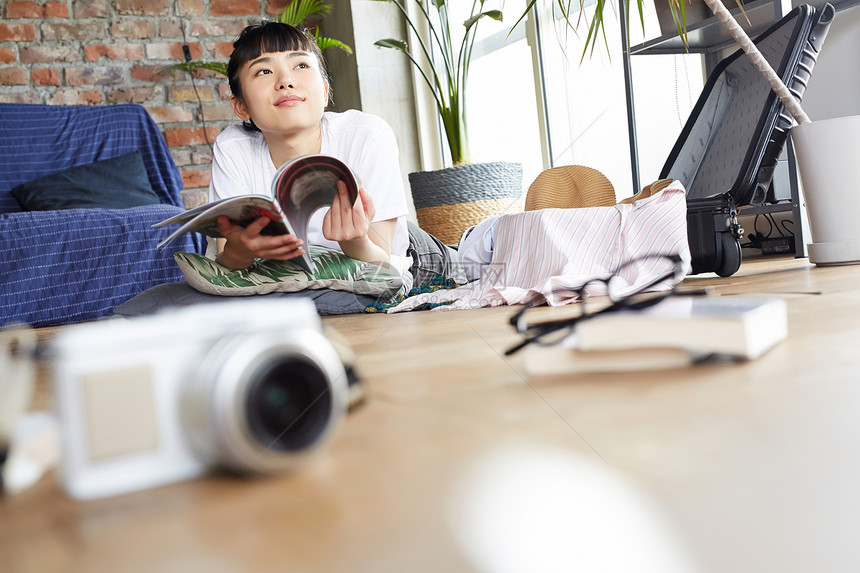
(40, 139)
(117, 183)
(333, 270)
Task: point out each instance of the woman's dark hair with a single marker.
(268, 36)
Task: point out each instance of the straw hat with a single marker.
(648, 190)
(570, 186)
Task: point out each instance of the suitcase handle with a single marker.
(821, 26)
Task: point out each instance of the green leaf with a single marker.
(392, 43)
(326, 43)
(297, 11)
(494, 14)
(524, 14)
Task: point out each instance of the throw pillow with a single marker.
(116, 183)
(333, 270)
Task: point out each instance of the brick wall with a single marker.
(91, 52)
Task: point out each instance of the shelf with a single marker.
(708, 36)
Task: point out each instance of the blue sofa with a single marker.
(73, 265)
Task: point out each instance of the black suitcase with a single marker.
(728, 150)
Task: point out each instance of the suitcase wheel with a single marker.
(730, 262)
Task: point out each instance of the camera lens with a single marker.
(289, 404)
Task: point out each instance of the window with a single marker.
(502, 110)
(576, 113)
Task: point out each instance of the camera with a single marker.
(251, 386)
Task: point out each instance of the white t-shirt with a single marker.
(243, 165)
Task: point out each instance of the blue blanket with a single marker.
(64, 266)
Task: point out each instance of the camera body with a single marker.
(252, 386)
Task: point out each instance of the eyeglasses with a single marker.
(621, 288)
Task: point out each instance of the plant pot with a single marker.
(449, 201)
(694, 11)
(827, 161)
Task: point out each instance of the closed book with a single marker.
(734, 326)
(563, 359)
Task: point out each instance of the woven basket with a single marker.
(449, 201)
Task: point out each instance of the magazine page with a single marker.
(307, 184)
(242, 210)
(189, 214)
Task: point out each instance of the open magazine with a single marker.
(299, 188)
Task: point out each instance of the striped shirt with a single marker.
(538, 253)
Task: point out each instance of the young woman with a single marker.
(280, 89)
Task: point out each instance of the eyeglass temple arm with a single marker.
(522, 344)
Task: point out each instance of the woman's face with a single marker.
(284, 93)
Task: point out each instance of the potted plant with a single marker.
(449, 200)
(295, 14)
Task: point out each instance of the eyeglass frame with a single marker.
(625, 302)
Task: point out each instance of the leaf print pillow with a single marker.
(334, 270)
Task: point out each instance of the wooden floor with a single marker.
(458, 461)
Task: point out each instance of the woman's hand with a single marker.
(352, 227)
(345, 222)
(244, 244)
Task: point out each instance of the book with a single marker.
(676, 333)
(566, 358)
(299, 188)
(734, 326)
